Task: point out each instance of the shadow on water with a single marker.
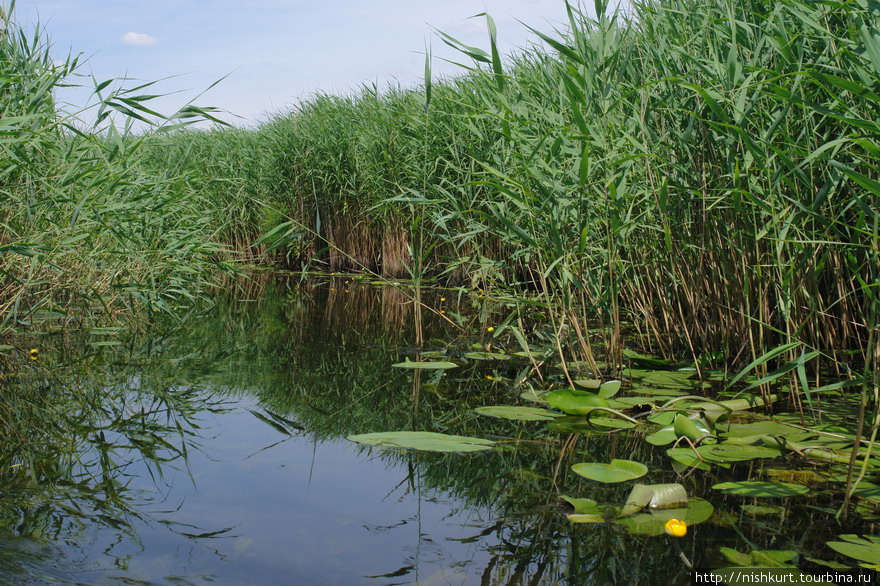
(214, 452)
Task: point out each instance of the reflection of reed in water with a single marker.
(396, 308)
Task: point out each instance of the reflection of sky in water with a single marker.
(302, 513)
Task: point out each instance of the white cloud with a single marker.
(139, 39)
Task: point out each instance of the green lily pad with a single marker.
(761, 489)
(740, 453)
(486, 356)
(645, 360)
(652, 523)
(609, 389)
(655, 496)
(582, 506)
(693, 429)
(611, 422)
(515, 413)
(587, 518)
(759, 428)
(575, 402)
(766, 558)
(424, 441)
(662, 437)
(534, 397)
(439, 365)
(615, 471)
(688, 458)
(588, 383)
(673, 379)
(865, 549)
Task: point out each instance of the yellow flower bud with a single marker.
(676, 528)
(490, 329)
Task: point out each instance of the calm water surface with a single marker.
(215, 453)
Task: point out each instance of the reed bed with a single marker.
(704, 170)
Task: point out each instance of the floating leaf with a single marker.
(582, 506)
(758, 428)
(651, 523)
(588, 383)
(655, 496)
(662, 437)
(740, 453)
(688, 458)
(534, 397)
(575, 402)
(486, 356)
(609, 389)
(515, 413)
(761, 489)
(692, 429)
(766, 558)
(615, 471)
(587, 518)
(426, 365)
(610, 422)
(645, 360)
(673, 379)
(423, 440)
(864, 549)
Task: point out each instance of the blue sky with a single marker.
(275, 52)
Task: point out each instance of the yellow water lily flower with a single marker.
(33, 353)
(676, 528)
(442, 299)
(490, 329)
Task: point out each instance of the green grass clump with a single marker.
(83, 223)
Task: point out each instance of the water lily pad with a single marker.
(587, 518)
(615, 471)
(761, 489)
(662, 437)
(534, 397)
(588, 383)
(758, 428)
(865, 549)
(673, 379)
(644, 359)
(439, 365)
(575, 402)
(688, 457)
(424, 441)
(741, 453)
(515, 413)
(611, 422)
(609, 389)
(763, 558)
(655, 496)
(582, 506)
(651, 523)
(693, 429)
(486, 356)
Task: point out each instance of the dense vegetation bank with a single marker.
(705, 170)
